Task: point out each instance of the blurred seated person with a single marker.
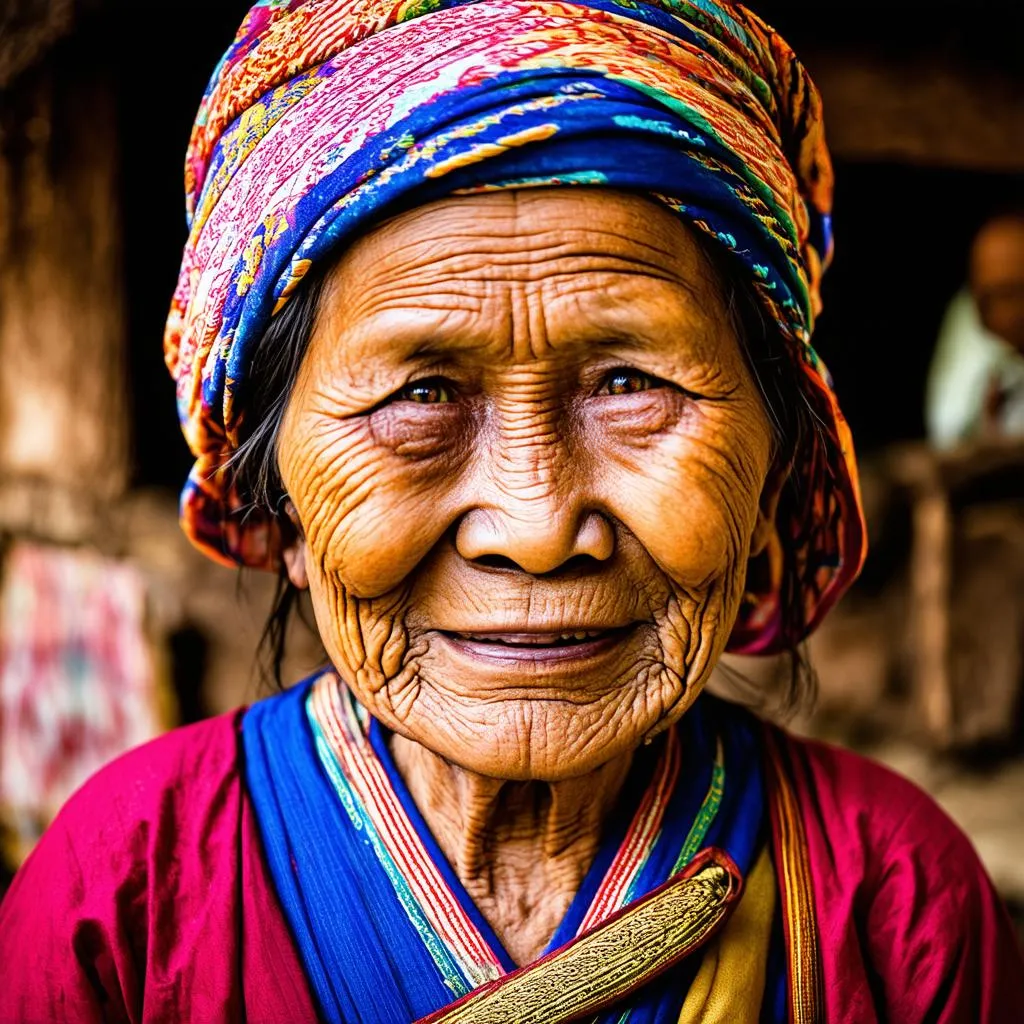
(976, 382)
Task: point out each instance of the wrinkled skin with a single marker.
(524, 414)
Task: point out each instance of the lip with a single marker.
(537, 648)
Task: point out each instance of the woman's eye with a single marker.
(426, 392)
(627, 382)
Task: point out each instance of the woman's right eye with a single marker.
(627, 381)
(426, 392)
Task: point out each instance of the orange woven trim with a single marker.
(799, 919)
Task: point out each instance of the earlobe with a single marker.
(295, 563)
(294, 548)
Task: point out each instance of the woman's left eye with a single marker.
(426, 392)
(624, 381)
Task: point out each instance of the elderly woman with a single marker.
(493, 331)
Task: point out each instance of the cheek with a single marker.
(367, 638)
(689, 491)
(373, 494)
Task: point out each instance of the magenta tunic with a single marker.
(148, 900)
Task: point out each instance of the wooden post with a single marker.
(916, 469)
(63, 390)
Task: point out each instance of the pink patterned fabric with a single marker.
(77, 680)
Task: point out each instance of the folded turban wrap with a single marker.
(325, 114)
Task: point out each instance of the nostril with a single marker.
(575, 564)
(496, 562)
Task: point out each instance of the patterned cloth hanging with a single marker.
(77, 680)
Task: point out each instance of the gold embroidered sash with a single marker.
(618, 956)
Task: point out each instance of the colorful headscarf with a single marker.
(324, 114)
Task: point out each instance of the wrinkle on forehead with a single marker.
(512, 262)
(518, 212)
(499, 237)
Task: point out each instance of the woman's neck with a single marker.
(521, 849)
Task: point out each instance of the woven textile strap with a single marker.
(799, 918)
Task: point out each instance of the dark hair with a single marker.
(795, 425)
(275, 365)
(253, 467)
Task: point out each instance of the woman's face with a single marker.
(528, 464)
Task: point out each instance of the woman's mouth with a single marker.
(565, 645)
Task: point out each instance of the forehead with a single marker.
(587, 258)
(606, 221)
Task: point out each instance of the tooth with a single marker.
(580, 636)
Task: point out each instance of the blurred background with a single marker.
(113, 629)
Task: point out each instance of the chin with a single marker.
(542, 739)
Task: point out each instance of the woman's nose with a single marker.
(539, 543)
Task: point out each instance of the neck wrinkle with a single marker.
(514, 845)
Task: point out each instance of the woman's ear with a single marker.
(778, 474)
(293, 549)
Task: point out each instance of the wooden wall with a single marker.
(920, 110)
(63, 389)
